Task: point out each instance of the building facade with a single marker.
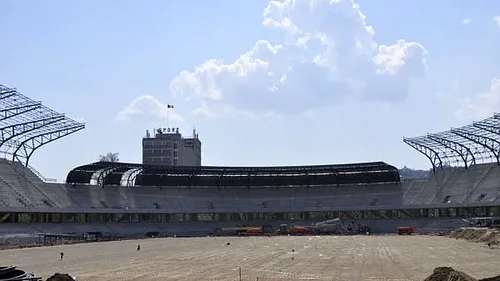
(168, 147)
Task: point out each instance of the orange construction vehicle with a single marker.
(286, 229)
(408, 230)
(243, 230)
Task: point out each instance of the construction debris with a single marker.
(12, 273)
(61, 277)
(450, 274)
(489, 236)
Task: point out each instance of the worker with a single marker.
(62, 255)
(139, 247)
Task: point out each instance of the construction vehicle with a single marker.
(286, 229)
(491, 222)
(333, 226)
(328, 227)
(408, 230)
(244, 230)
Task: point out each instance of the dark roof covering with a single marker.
(112, 173)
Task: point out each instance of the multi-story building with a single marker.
(169, 147)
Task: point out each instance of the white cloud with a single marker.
(146, 106)
(466, 21)
(328, 53)
(483, 104)
(497, 20)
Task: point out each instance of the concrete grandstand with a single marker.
(125, 199)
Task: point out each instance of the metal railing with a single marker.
(38, 174)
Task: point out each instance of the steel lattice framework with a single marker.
(26, 125)
(464, 146)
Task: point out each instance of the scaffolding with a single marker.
(464, 146)
(26, 125)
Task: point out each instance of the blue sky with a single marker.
(265, 83)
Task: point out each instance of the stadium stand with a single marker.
(126, 199)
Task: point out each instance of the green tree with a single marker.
(109, 157)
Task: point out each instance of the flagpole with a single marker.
(168, 119)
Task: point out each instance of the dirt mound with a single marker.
(484, 235)
(450, 274)
(496, 278)
(60, 277)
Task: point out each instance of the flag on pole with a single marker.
(170, 106)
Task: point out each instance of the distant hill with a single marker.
(408, 173)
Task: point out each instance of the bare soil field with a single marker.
(322, 258)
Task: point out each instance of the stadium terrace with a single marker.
(128, 200)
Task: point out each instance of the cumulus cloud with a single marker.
(143, 107)
(484, 104)
(327, 53)
(497, 20)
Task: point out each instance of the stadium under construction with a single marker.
(126, 199)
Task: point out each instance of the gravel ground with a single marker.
(322, 258)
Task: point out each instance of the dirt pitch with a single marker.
(261, 258)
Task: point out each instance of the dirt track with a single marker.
(316, 258)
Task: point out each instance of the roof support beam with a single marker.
(487, 127)
(429, 152)
(26, 148)
(5, 93)
(10, 112)
(132, 176)
(490, 143)
(12, 131)
(464, 152)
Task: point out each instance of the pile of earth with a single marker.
(60, 277)
(489, 236)
(450, 274)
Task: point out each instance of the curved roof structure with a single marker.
(26, 125)
(106, 173)
(464, 146)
